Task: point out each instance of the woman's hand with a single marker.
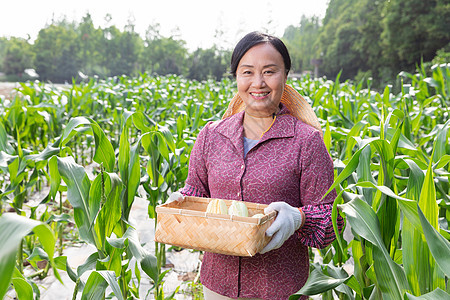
(288, 220)
(175, 196)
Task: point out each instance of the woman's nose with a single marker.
(258, 80)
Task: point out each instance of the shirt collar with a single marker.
(284, 126)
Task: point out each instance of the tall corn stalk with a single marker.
(394, 161)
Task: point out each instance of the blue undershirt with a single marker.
(249, 144)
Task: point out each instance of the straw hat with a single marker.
(295, 103)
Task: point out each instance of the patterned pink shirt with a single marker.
(290, 163)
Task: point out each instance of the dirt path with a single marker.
(7, 88)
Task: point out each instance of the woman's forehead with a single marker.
(264, 55)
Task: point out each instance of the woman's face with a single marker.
(260, 77)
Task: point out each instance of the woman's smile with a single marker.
(261, 76)
(259, 95)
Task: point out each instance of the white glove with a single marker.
(288, 220)
(175, 196)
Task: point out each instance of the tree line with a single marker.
(359, 39)
(372, 38)
(65, 50)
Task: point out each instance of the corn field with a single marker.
(391, 157)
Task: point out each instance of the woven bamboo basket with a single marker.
(186, 224)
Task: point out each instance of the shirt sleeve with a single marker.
(317, 231)
(197, 180)
(317, 175)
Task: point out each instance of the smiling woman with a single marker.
(267, 149)
(261, 76)
(260, 79)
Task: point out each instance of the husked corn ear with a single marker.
(217, 206)
(238, 208)
(258, 216)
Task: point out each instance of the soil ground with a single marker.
(7, 89)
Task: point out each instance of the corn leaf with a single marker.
(69, 130)
(391, 278)
(23, 289)
(89, 264)
(439, 246)
(346, 172)
(318, 283)
(13, 229)
(168, 137)
(129, 168)
(62, 264)
(430, 209)
(44, 155)
(97, 283)
(415, 266)
(110, 212)
(334, 217)
(355, 131)
(364, 173)
(434, 295)
(104, 151)
(147, 261)
(55, 178)
(441, 142)
(360, 264)
(408, 206)
(78, 186)
(124, 151)
(327, 136)
(444, 160)
(5, 146)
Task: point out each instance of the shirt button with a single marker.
(242, 166)
(239, 193)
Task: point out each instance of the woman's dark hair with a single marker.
(255, 38)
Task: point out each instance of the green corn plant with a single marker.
(155, 145)
(386, 176)
(388, 277)
(97, 214)
(13, 229)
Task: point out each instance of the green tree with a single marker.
(381, 38)
(302, 43)
(121, 50)
(368, 44)
(208, 63)
(442, 55)
(131, 47)
(89, 39)
(110, 44)
(57, 52)
(18, 56)
(3, 43)
(414, 30)
(343, 37)
(164, 55)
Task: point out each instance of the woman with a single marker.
(265, 151)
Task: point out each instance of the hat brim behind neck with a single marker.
(295, 103)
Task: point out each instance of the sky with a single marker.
(195, 21)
